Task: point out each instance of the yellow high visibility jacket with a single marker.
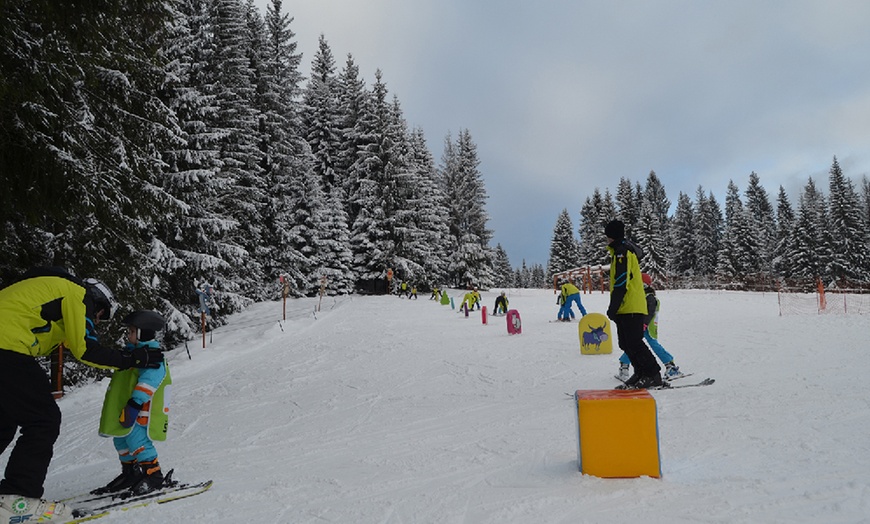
(39, 313)
(569, 289)
(626, 285)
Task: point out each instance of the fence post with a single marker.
(823, 303)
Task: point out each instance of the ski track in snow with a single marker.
(388, 410)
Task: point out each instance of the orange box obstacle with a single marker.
(617, 433)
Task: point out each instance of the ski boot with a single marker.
(650, 381)
(16, 508)
(130, 475)
(672, 371)
(151, 478)
(623, 372)
(631, 383)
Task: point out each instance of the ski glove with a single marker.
(611, 313)
(129, 413)
(142, 358)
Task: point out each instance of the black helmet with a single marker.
(147, 322)
(102, 296)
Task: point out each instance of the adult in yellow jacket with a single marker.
(570, 293)
(46, 308)
(467, 301)
(627, 307)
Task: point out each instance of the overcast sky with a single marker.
(562, 97)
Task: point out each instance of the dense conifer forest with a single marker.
(754, 243)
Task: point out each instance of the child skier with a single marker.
(469, 300)
(135, 411)
(501, 304)
(650, 334)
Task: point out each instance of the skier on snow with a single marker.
(135, 411)
(501, 304)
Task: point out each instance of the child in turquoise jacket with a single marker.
(136, 409)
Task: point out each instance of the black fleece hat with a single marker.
(615, 229)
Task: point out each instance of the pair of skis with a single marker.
(668, 384)
(89, 506)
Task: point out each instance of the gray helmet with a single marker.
(102, 296)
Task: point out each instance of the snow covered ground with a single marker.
(383, 410)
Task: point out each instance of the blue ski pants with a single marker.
(574, 298)
(136, 445)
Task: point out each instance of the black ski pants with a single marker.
(629, 331)
(26, 402)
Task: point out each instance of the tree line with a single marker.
(753, 242)
(154, 144)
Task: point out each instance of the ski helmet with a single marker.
(102, 297)
(147, 322)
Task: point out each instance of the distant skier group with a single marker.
(406, 290)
